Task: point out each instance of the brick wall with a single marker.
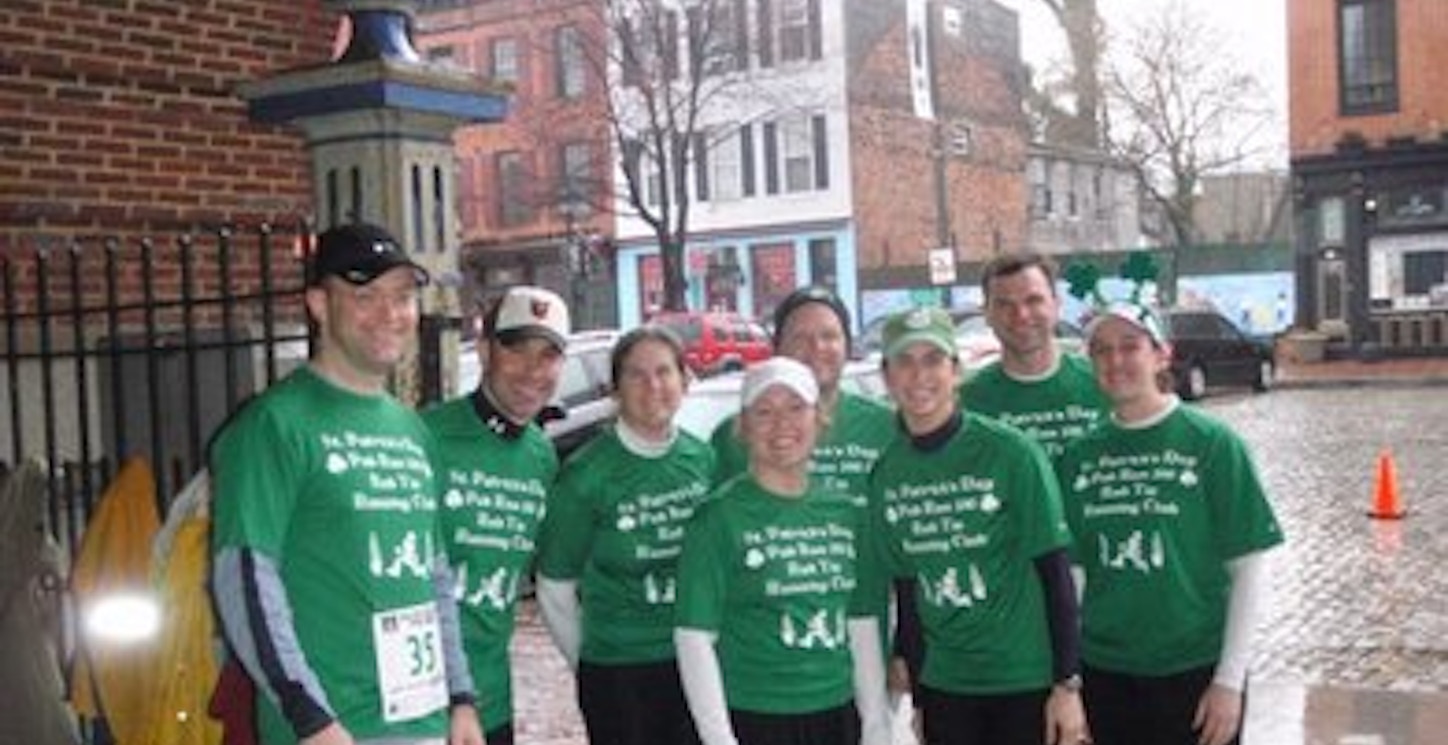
(1315, 122)
(978, 84)
(119, 118)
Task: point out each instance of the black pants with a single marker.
(634, 704)
(502, 735)
(837, 726)
(1146, 710)
(983, 719)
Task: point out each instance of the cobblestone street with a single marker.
(1354, 650)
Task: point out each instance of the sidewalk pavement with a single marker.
(1326, 715)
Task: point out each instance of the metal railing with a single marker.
(114, 348)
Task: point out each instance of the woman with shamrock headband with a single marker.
(1171, 527)
(776, 643)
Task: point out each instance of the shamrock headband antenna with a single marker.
(1084, 280)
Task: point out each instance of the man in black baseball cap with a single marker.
(358, 253)
(320, 473)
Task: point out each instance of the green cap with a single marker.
(930, 325)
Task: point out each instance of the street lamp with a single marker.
(572, 207)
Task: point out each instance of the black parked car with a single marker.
(1209, 351)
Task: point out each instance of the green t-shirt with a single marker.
(776, 579)
(859, 429)
(966, 521)
(1053, 410)
(494, 493)
(616, 520)
(1157, 512)
(337, 488)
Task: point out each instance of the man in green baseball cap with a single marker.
(932, 326)
(968, 511)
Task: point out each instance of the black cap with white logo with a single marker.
(357, 254)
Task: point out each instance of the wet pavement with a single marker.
(1354, 648)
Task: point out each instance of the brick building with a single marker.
(535, 191)
(1369, 160)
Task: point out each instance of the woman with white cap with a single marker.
(609, 548)
(1171, 527)
(773, 637)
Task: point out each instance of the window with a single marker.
(718, 36)
(575, 178)
(644, 171)
(513, 177)
(789, 30)
(441, 55)
(1071, 206)
(700, 155)
(505, 61)
(1425, 272)
(1040, 188)
(724, 164)
(650, 46)
(798, 151)
(571, 71)
(793, 29)
(1368, 56)
(822, 262)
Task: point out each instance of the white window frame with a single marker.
(796, 155)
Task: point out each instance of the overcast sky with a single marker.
(1255, 27)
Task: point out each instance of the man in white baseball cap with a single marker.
(497, 466)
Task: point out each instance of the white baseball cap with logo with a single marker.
(529, 312)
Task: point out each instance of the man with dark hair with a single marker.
(1034, 386)
(328, 572)
(812, 326)
(497, 467)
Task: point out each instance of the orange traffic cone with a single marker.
(1387, 505)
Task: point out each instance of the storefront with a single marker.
(1372, 248)
(747, 273)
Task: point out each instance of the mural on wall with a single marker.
(1259, 303)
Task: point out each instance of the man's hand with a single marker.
(332, 734)
(897, 676)
(464, 727)
(1065, 718)
(1219, 715)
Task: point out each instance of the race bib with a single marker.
(409, 662)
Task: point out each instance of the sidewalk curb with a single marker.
(1366, 382)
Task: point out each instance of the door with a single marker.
(1332, 297)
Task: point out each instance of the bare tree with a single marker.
(1079, 123)
(1179, 108)
(670, 67)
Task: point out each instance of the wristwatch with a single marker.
(1071, 683)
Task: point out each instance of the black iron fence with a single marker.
(119, 348)
(115, 348)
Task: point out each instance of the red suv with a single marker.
(717, 342)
